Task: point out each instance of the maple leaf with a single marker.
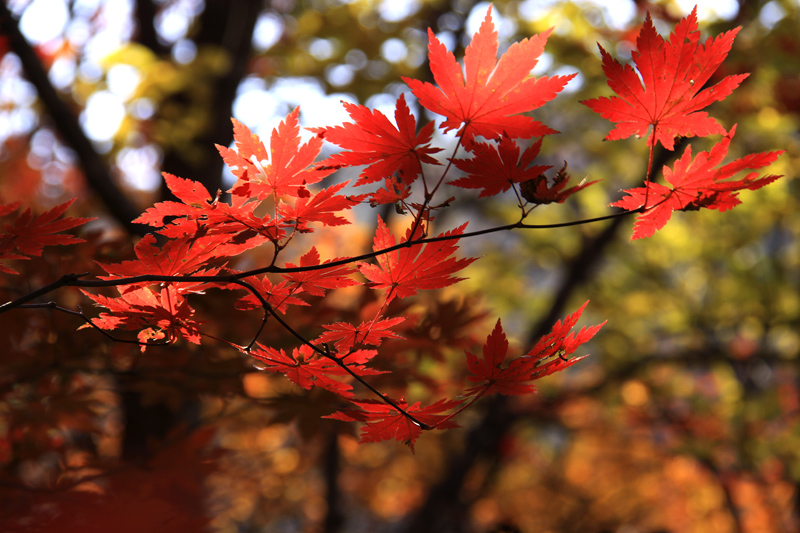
(279, 296)
(384, 422)
(322, 207)
(667, 96)
(696, 183)
(316, 282)
(540, 191)
(488, 96)
(373, 140)
(304, 367)
(549, 355)
(392, 192)
(143, 309)
(210, 216)
(285, 172)
(179, 257)
(371, 332)
(29, 234)
(508, 380)
(408, 270)
(495, 168)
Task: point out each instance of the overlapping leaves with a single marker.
(280, 193)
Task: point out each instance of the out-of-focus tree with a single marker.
(686, 419)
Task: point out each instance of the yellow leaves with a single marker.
(310, 22)
(133, 54)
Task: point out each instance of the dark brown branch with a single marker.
(94, 167)
(226, 26)
(146, 33)
(79, 313)
(74, 280)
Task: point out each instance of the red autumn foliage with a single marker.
(281, 191)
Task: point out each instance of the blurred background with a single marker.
(686, 417)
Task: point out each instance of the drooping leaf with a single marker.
(384, 422)
(279, 296)
(541, 190)
(304, 367)
(495, 168)
(28, 235)
(142, 309)
(696, 183)
(549, 355)
(346, 335)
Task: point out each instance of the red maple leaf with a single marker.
(373, 140)
(696, 183)
(29, 234)
(489, 98)
(672, 72)
(393, 191)
(495, 168)
(198, 212)
(278, 295)
(178, 257)
(408, 270)
(321, 207)
(370, 332)
(489, 368)
(285, 172)
(549, 355)
(304, 367)
(315, 282)
(143, 309)
(384, 422)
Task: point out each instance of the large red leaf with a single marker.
(285, 172)
(668, 97)
(408, 270)
(488, 100)
(371, 139)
